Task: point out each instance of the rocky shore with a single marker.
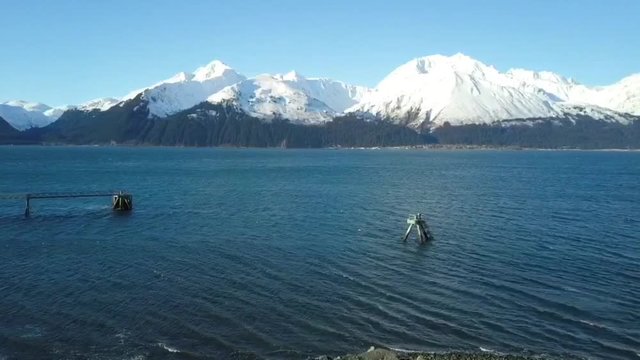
(387, 354)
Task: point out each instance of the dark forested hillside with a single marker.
(224, 125)
(9, 135)
(6, 129)
(120, 124)
(215, 125)
(545, 133)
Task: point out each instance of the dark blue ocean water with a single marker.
(288, 254)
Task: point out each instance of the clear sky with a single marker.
(70, 51)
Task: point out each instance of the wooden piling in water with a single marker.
(27, 209)
(421, 226)
(122, 202)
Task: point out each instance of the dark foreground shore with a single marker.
(386, 354)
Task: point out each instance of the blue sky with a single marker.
(70, 51)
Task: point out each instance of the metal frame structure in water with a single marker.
(121, 201)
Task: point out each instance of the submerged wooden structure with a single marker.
(121, 201)
(421, 226)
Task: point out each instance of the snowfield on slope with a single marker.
(291, 96)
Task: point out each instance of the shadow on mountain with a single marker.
(225, 125)
(215, 125)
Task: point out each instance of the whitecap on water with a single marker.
(168, 348)
(403, 350)
(122, 335)
(491, 351)
(593, 324)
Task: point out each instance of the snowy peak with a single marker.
(336, 94)
(24, 115)
(542, 76)
(28, 106)
(458, 89)
(214, 69)
(185, 90)
(178, 78)
(271, 96)
(443, 72)
(177, 93)
(424, 92)
(556, 86)
(631, 81)
(292, 96)
(622, 96)
(101, 104)
(292, 76)
(434, 65)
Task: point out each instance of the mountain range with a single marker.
(426, 95)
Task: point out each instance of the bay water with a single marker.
(291, 254)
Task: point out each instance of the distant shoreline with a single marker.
(452, 147)
(427, 147)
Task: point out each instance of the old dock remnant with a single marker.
(122, 201)
(421, 226)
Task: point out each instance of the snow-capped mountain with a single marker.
(623, 96)
(291, 96)
(185, 90)
(457, 89)
(24, 115)
(556, 86)
(336, 94)
(267, 96)
(423, 93)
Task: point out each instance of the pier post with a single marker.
(122, 202)
(27, 208)
(406, 235)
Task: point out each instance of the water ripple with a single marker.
(291, 254)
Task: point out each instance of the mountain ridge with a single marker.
(423, 94)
